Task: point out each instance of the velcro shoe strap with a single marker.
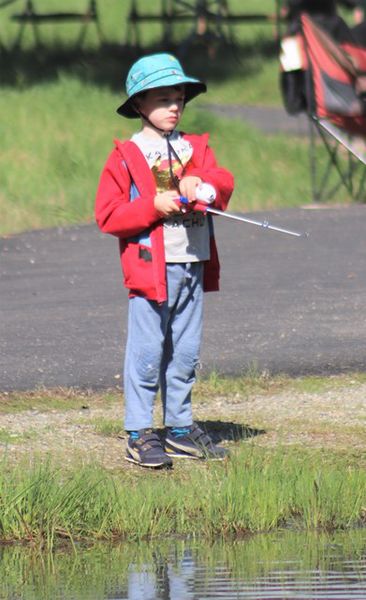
(149, 440)
(199, 437)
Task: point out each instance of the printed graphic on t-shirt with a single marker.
(186, 235)
(161, 169)
(192, 219)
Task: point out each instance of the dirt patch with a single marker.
(90, 429)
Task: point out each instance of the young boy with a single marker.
(168, 256)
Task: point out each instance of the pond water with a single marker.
(277, 566)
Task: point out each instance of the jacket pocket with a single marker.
(137, 264)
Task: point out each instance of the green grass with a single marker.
(255, 382)
(58, 118)
(61, 399)
(283, 481)
(214, 385)
(58, 107)
(6, 437)
(255, 491)
(107, 427)
(49, 178)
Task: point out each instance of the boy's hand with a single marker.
(167, 203)
(188, 185)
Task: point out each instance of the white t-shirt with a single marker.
(186, 236)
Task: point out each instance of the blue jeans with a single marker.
(163, 345)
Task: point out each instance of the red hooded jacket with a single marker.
(125, 208)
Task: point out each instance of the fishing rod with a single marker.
(201, 205)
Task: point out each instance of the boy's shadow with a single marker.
(220, 431)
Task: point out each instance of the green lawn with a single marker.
(58, 114)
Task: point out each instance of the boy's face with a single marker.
(163, 106)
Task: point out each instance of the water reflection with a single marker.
(286, 565)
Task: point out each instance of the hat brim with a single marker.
(193, 88)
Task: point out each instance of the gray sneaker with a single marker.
(195, 444)
(147, 451)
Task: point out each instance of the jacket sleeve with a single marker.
(204, 165)
(114, 213)
(221, 179)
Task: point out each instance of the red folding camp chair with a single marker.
(328, 81)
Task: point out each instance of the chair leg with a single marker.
(94, 11)
(321, 174)
(28, 10)
(313, 162)
(361, 194)
(167, 13)
(351, 171)
(133, 33)
(91, 14)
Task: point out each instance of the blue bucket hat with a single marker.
(154, 71)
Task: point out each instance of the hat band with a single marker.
(156, 76)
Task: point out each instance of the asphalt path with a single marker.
(290, 305)
(268, 120)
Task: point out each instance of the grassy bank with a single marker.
(297, 461)
(255, 491)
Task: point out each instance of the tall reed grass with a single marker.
(255, 491)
